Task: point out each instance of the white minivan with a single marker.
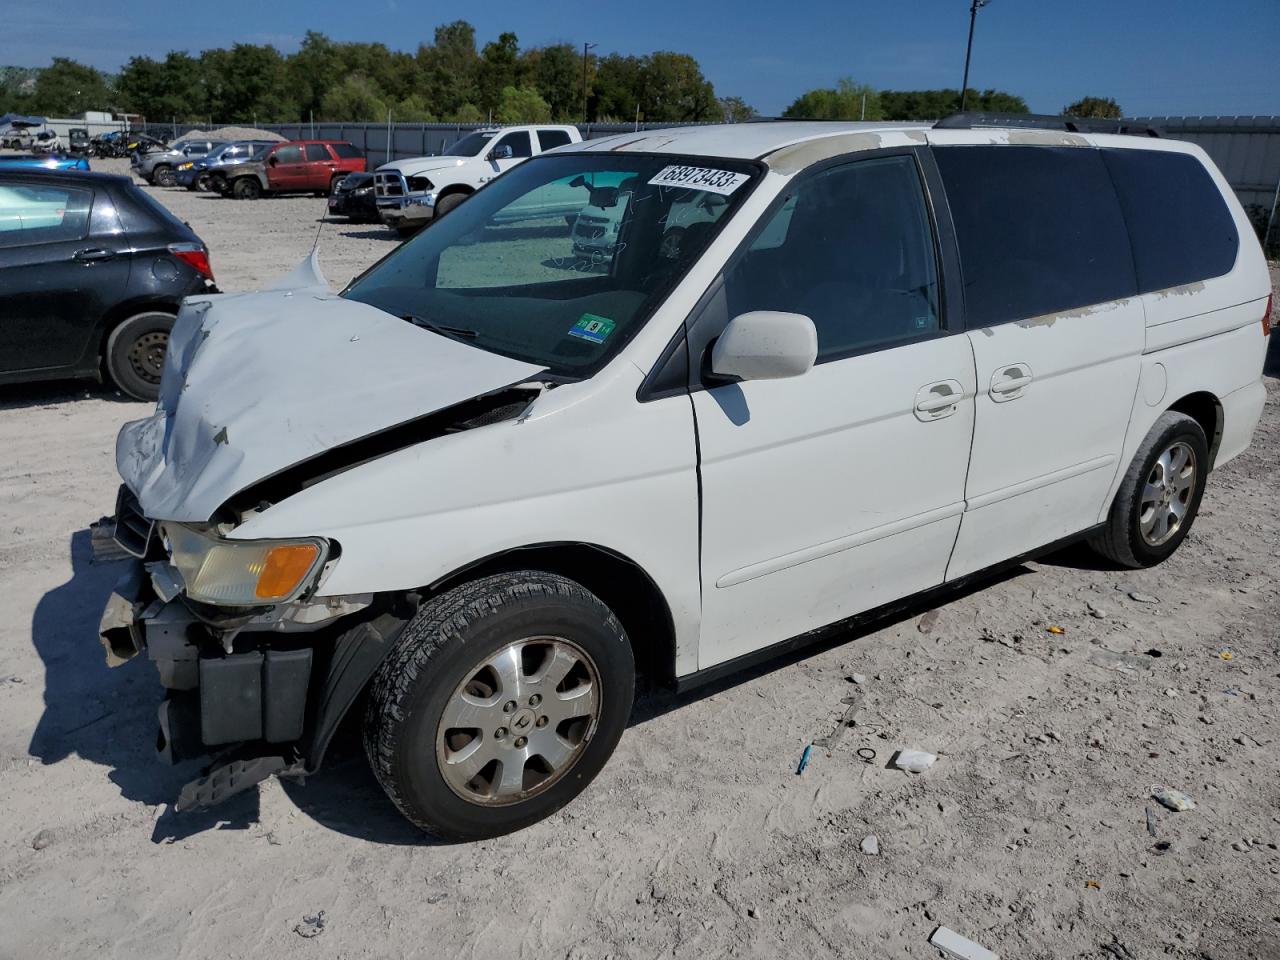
(491, 480)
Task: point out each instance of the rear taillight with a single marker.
(1266, 317)
(195, 255)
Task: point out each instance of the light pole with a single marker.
(973, 16)
(585, 48)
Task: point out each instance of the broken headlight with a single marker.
(242, 573)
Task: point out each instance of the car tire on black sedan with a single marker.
(135, 353)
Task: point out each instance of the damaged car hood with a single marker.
(255, 383)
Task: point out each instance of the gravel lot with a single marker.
(1030, 834)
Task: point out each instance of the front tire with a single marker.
(135, 354)
(163, 176)
(501, 700)
(246, 188)
(1159, 496)
(445, 204)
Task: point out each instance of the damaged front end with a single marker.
(260, 688)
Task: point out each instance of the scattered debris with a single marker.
(804, 759)
(753, 913)
(913, 761)
(1097, 612)
(1170, 692)
(958, 947)
(857, 678)
(927, 621)
(1173, 799)
(1155, 652)
(866, 754)
(1226, 655)
(1117, 949)
(310, 926)
(42, 840)
(1143, 598)
(1151, 822)
(1092, 885)
(1055, 629)
(871, 845)
(437, 898)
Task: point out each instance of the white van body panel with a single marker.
(587, 464)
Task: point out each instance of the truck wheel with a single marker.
(501, 700)
(246, 188)
(1159, 496)
(447, 203)
(163, 176)
(135, 354)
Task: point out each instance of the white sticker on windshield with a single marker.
(700, 178)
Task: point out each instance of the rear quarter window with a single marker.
(549, 139)
(346, 151)
(1180, 226)
(317, 151)
(1039, 230)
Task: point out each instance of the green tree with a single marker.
(161, 90)
(467, 113)
(1094, 107)
(357, 99)
(66, 88)
(315, 69)
(736, 110)
(413, 109)
(846, 101)
(617, 86)
(496, 71)
(448, 68)
(248, 83)
(675, 89)
(557, 73)
(935, 104)
(522, 105)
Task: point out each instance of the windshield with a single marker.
(560, 261)
(470, 145)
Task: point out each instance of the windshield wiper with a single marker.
(444, 329)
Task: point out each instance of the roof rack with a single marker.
(1041, 121)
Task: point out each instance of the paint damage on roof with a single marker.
(256, 383)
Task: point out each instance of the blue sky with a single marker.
(1155, 56)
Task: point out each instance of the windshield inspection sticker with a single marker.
(700, 178)
(593, 328)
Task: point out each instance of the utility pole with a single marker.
(973, 16)
(585, 47)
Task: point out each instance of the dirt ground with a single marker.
(1033, 834)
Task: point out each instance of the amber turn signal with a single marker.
(284, 568)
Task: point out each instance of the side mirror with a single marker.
(503, 152)
(765, 345)
(273, 160)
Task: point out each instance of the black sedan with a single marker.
(353, 198)
(92, 272)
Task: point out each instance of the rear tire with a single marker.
(135, 354)
(246, 188)
(1159, 496)
(500, 701)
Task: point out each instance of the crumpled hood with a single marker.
(254, 383)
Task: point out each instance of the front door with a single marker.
(834, 492)
(287, 169)
(56, 281)
(1057, 333)
(521, 150)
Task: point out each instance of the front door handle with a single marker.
(934, 401)
(1009, 382)
(92, 254)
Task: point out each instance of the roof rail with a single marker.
(1042, 121)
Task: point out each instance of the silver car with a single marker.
(157, 166)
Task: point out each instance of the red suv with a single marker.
(299, 166)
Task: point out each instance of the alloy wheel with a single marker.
(1167, 494)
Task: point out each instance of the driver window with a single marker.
(519, 144)
(290, 154)
(852, 249)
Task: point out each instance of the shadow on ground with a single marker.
(26, 395)
(104, 715)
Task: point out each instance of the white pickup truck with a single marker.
(411, 192)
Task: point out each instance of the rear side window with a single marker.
(317, 151)
(346, 151)
(1181, 228)
(547, 139)
(1039, 228)
(33, 213)
(289, 154)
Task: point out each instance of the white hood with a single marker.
(254, 383)
(419, 165)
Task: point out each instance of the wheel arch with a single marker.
(1204, 408)
(622, 585)
(455, 188)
